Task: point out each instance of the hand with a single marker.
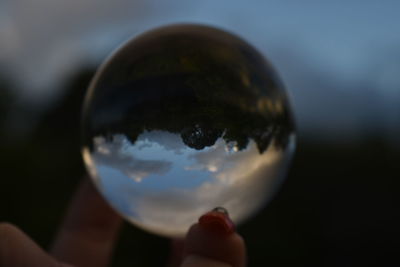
(89, 232)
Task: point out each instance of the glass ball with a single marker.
(183, 119)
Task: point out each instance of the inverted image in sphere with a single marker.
(184, 119)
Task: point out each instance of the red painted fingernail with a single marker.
(217, 221)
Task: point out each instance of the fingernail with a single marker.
(217, 221)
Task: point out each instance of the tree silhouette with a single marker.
(200, 85)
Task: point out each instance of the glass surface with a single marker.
(184, 119)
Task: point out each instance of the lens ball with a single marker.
(183, 119)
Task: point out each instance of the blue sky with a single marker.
(340, 60)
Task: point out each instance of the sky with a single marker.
(340, 60)
(162, 184)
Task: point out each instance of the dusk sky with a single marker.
(340, 60)
(160, 180)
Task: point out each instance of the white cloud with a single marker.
(241, 183)
(112, 155)
(169, 141)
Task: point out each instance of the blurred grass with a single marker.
(338, 207)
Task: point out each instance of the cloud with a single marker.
(46, 39)
(323, 63)
(241, 182)
(112, 155)
(169, 141)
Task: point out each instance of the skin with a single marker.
(89, 233)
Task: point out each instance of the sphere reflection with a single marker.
(184, 119)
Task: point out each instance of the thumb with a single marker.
(18, 250)
(213, 242)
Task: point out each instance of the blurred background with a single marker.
(339, 60)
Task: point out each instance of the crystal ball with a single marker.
(183, 119)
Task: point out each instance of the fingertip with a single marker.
(217, 221)
(216, 240)
(209, 243)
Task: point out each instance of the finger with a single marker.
(228, 249)
(199, 261)
(18, 250)
(176, 252)
(89, 231)
(213, 238)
